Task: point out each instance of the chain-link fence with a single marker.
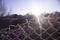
(26, 32)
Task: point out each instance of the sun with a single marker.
(36, 9)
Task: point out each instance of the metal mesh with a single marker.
(26, 32)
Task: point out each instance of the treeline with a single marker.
(14, 19)
(46, 19)
(50, 20)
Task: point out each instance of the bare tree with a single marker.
(2, 8)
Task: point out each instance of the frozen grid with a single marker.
(29, 33)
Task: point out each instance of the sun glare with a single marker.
(36, 10)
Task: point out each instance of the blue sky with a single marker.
(34, 6)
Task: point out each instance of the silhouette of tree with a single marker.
(2, 8)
